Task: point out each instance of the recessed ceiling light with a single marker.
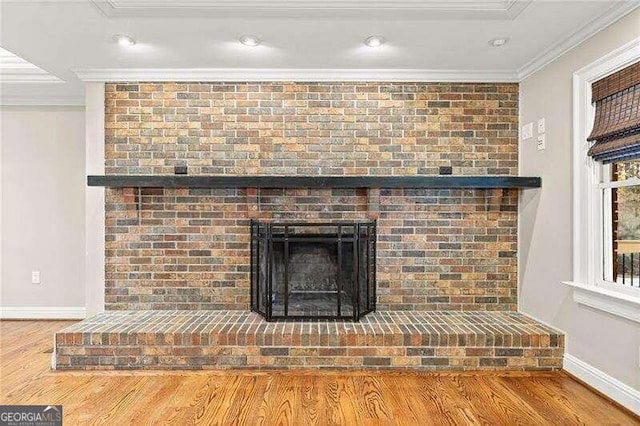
(249, 40)
(374, 41)
(125, 40)
(498, 42)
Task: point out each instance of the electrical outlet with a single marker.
(541, 142)
(541, 126)
(35, 277)
(527, 131)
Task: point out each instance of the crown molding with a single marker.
(451, 9)
(275, 74)
(312, 4)
(14, 69)
(514, 8)
(42, 100)
(28, 76)
(576, 38)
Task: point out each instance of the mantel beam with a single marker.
(443, 182)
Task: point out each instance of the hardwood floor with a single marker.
(299, 398)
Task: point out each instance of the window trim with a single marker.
(589, 288)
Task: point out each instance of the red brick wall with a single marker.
(188, 248)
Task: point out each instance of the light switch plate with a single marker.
(35, 277)
(527, 131)
(541, 126)
(542, 142)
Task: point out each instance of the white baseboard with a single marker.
(621, 393)
(43, 313)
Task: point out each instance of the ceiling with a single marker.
(301, 40)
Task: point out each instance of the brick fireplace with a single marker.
(178, 258)
(438, 249)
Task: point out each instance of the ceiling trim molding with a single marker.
(275, 74)
(576, 38)
(500, 5)
(453, 9)
(28, 76)
(14, 69)
(515, 7)
(42, 101)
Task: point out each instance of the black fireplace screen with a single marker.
(313, 270)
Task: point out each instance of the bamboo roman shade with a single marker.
(616, 130)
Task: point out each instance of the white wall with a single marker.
(606, 342)
(43, 213)
(94, 200)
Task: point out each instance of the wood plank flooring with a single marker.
(289, 397)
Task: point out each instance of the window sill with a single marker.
(622, 305)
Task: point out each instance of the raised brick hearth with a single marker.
(215, 339)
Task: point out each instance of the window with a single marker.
(606, 190)
(621, 223)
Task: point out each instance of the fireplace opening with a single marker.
(313, 270)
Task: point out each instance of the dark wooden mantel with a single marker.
(183, 181)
